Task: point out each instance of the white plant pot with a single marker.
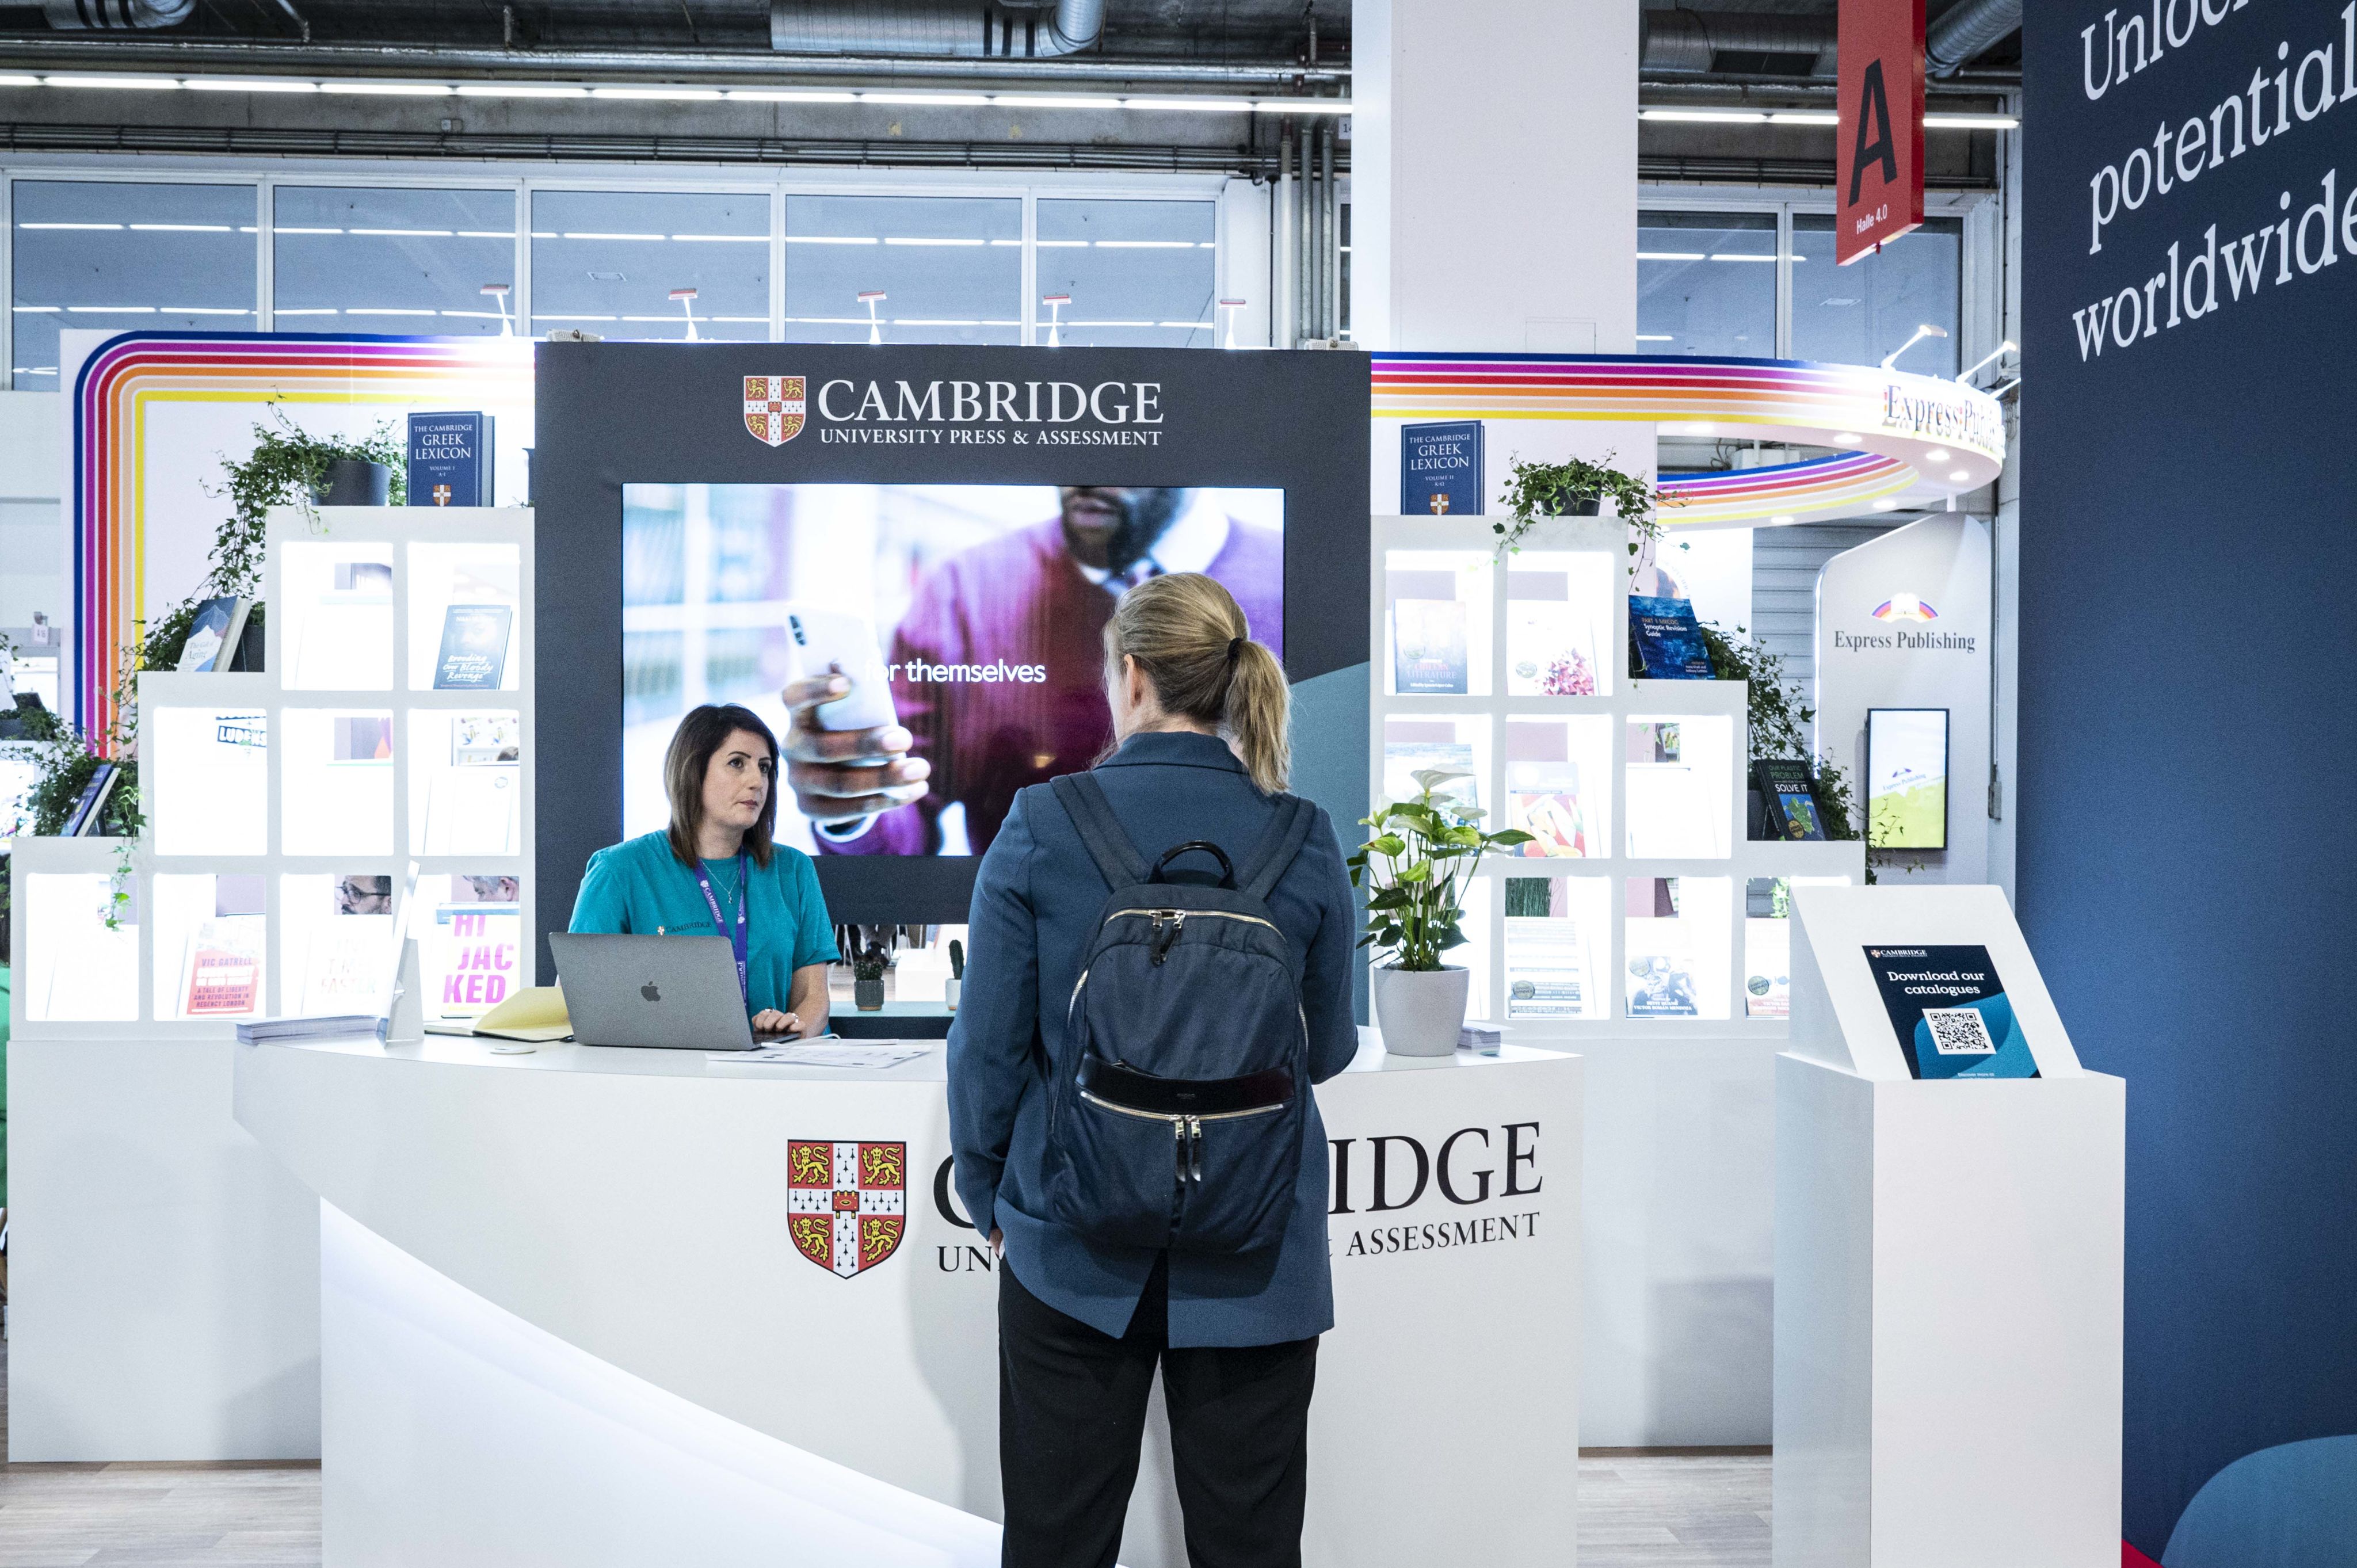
(1418, 1012)
(949, 993)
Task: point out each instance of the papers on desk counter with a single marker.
(824, 1054)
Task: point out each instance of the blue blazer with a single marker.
(1035, 902)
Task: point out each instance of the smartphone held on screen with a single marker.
(829, 640)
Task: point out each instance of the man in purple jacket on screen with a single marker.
(997, 669)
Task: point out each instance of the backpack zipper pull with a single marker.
(1195, 1149)
(1159, 943)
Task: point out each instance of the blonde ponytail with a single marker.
(1192, 642)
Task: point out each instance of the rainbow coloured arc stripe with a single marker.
(1788, 399)
(117, 382)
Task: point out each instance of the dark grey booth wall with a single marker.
(2188, 801)
(610, 414)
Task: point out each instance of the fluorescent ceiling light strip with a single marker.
(126, 83)
(790, 95)
(1655, 337)
(181, 228)
(475, 315)
(487, 233)
(1017, 243)
(1205, 105)
(939, 98)
(660, 94)
(1971, 122)
(36, 370)
(38, 309)
(722, 239)
(1707, 116)
(1146, 244)
(1054, 101)
(390, 89)
(319, 310)
(926, 240)
(110, 310)
(1302, 105)
(203, 310)
(1738, 256)
(599, 234)
(291, 229)
(406, 233)
(1802, 117)
(1669, 256)
(14, 80)
(832, 240)
(384, 310)
(69, 225)
(518, 89)
(250, 84)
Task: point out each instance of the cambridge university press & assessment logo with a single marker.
(774, 407)
(846, 1203)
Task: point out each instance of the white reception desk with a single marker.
(563, 1321)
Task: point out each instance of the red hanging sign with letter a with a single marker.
(1879, 166)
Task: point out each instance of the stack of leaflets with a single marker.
(265, 1031)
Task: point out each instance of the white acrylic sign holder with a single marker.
(1948, 1268)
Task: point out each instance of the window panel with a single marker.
(608, 262)
(1706, 283)
(1855, 315)
(950, 268)
(1141, 275)
(120, 257)
(368, 259)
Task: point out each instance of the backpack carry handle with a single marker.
(1227, 866)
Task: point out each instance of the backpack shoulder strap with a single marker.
(1288, 830)
(1084, 801)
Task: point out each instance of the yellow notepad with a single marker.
(536, 1013)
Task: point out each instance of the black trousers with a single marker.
(1071, 1411)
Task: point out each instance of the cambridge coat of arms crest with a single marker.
(774, 406)
(846, 1204)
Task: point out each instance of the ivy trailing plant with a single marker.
(288, 467)
(1415, 869)
(1576, 487)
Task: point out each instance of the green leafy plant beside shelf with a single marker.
(1576, 487)
(1775, 719)
(1415, 868)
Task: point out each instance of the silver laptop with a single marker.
(665, 993)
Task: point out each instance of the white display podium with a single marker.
(563, 1320)
(1948, 1269)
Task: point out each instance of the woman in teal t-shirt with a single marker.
(716, 871)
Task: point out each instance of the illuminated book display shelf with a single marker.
(1643, 909)
(393, 723)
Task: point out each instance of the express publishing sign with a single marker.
(1878, 168)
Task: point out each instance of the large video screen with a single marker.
(982, 606)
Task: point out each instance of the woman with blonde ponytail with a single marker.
(1199, 757)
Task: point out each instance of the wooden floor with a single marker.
(1646, 1510)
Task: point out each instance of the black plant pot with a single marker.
(355, 481)
(1585, 506)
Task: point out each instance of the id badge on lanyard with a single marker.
(737, 937)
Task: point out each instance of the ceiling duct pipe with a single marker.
(976, 30)
(1701, 43)
(1965, 32)
(114, 15)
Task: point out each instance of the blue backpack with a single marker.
(1176, 1105)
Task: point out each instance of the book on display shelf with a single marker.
(1550, 813)
(90, 806)
(1546, 967)
(1661, 951)
(1547, 650)
(450, 458)
(1788, 790)
(215, 634)
(1667, 640)
(1440, 469)
(220, 971)
(474, 652)
(1403, 759)
(1428, 653)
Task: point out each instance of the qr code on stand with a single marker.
(1959, 1031)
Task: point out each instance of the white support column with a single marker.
(1495, 175)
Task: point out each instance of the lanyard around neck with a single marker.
(744, 899)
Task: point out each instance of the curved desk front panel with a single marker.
(569, 1317)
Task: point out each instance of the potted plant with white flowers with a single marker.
(1414, 871)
